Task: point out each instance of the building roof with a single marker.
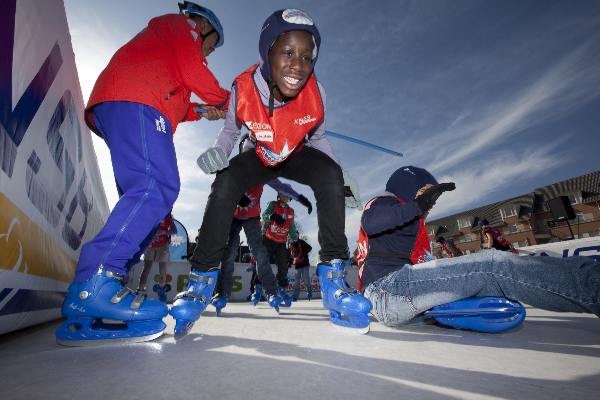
(525, 205)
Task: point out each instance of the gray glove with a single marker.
(213, 160)
(351, 191)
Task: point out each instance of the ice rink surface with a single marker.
(251, 353)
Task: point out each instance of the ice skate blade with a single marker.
(182, 332)
(101, 342)
(351, 331)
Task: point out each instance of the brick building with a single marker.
(526, 220)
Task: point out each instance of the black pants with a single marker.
(281, 256)
(308, 166)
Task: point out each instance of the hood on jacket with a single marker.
(406, 181)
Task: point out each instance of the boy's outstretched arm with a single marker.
(385, 213)
(266, 216)
(216, 157)
(293, 233)
(289, 191)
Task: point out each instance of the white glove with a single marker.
(351, 191)
(213, 160)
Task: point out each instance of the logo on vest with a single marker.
(304, 120)
(264, 136)
(258, 126)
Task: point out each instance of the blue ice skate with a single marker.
(275, 302)
(190, 303)
(286, 299)
(161, 291)
(348, 309)
(102, 310)
(481, 314)
(219, 302)
(256, 296)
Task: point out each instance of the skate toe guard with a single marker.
(186, 311)
(355, 303)
(275, 301)
(480, 314)
(219, 303)
(187, 308)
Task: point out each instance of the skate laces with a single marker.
(121, 294)
(140, 296)
(124, 292)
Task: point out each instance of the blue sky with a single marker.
(498, 96)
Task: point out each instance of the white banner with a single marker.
(587, 247)
(51, 199)
(178, 271)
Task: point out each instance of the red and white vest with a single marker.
(500, 242)
(419, 254)
(252, 210)
(279, 233)
(279, 136)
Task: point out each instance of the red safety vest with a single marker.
(252, 210)
(499, 241)
(279, 233)
(419, 253)
(279, 136)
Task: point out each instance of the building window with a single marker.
(464, 223)
(512, 228)
(467, 238)
(580, 218)
(575, 198)
(508, 212)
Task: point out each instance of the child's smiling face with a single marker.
(291, 63)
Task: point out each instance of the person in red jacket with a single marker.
(135, 106)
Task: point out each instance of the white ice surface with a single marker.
(252, 354)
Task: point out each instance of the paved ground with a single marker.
(251, 353)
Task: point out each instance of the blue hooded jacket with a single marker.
(391, 226)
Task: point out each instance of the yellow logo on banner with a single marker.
(25, 247)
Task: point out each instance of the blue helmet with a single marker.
(189, 8)
(281, 21)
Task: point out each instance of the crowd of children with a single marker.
(282, 105)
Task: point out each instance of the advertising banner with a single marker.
(51, 198)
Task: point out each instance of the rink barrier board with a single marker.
(177, 276)
(51, 198)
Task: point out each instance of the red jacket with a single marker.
(160, 67)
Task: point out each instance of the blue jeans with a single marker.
(143, 157)
(263, 266)
(557, 284)
(302, 273)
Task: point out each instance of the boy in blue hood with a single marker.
(401, 282)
